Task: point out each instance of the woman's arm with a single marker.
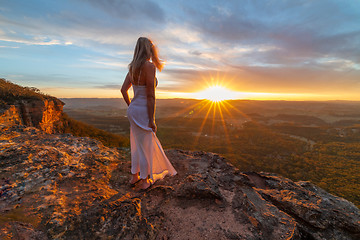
(124, 89)
(150, 93)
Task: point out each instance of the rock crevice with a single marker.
(43, 114)
(57, 186)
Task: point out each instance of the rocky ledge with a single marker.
(64, 187)
(44, 114)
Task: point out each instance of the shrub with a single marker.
(81, 129)
(11, 92)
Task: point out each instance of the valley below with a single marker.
(245, 170)
(315, 141)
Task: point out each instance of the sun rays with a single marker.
(217, 93)
(217, 89)
(212, 119)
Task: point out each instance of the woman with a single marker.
(147, 156)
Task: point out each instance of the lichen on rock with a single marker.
(57, 186)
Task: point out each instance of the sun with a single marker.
(216, 94)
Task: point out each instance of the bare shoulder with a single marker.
(149, 66)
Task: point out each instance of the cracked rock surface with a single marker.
(66, 187)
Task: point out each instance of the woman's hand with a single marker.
(125, 87)
(153, 126)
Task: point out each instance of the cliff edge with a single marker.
(29, 107)
(57, 186)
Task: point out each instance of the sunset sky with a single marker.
(295, 50)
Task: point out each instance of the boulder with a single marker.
(57, 186)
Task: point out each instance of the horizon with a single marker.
(285, 51)
(196, 99)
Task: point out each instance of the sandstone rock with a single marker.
(43, 114)
(199, 186)
(75, 188)
(320, 213)
(10, 116)
(23, 231)
(50, 177)
(116, 219)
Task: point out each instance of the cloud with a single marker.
(263, 79)
(104, 62)
(223, 34)
(337, 64)
(195, 52)
(302, 30)
(34, 41)
(134, 9)
(254, 45)
(8, 47)
(42, 80)
(6, 22)
(109, 86)
(78, 28)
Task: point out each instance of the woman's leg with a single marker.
(144, 183)
(135, 165)
(134, 178)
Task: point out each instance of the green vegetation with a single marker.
(81, 129)
(10, 93)
(334, 166)
(297, 145)
(323, 134)
(328, 155)
(333, 163)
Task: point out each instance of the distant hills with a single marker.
(94, 102)
(58, 186)
(30, 107)
(120, 103)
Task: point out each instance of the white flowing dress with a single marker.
(147, 155)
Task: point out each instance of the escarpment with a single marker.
(43, 114)
(57, 186)
(27, 106)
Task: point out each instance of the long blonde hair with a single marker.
(144, 51)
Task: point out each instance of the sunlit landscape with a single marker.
(265, 95)
(295, 139)
(271, 87)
